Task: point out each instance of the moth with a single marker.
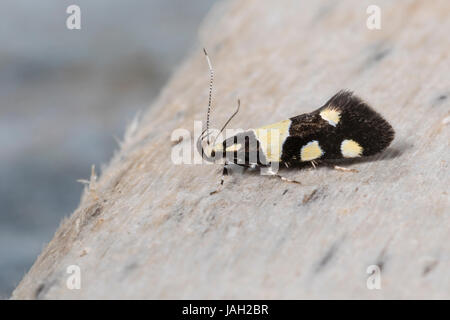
(344, 127)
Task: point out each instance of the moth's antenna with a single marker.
(229, 119)
(211, 75)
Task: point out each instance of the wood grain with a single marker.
(150, 229)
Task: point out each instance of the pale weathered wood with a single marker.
(150, 229)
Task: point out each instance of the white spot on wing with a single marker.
(311, 151)
(331, 115)
(351, 149)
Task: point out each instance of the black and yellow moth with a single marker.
(344, 127)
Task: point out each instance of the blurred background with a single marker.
(64, 97)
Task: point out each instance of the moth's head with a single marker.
(205, 148)
(228, 149)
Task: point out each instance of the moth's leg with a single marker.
(251, 166)
(285, 179)
(338, 168)
(226, 172)
(273, 174)
(314, 164)
(343, 169)
(222, 179)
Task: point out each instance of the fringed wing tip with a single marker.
(361, 119)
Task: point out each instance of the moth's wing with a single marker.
(305, 128)
(345, 127)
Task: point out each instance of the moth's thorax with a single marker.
(242, 148)
(255, 146)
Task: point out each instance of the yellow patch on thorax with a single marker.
(331, 115)
(271, 139)
(311, 151)
(234, 147)
(351, 149)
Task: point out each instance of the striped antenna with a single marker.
(211, 74)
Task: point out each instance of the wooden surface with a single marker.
(149, 229)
